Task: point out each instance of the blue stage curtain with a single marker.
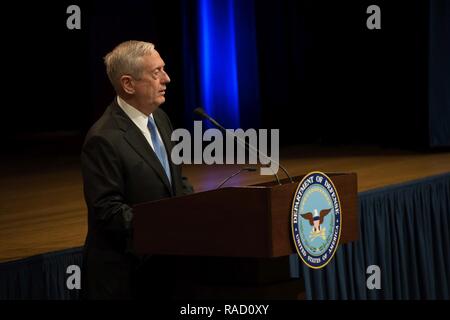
(404, 229)
(41, 277)
(439, 73)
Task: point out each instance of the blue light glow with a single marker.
(218, 65)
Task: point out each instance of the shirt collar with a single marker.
(140, 119)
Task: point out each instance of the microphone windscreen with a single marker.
(200, 112)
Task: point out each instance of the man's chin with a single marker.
(159, 101)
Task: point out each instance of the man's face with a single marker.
(150, 88)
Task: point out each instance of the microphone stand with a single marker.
(235, 174)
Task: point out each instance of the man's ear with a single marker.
(127, 84)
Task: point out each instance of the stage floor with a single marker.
(41, 197)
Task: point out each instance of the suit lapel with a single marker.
(138, 142)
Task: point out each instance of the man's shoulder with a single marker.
(160, 113)
(162, 116)
(106, 126)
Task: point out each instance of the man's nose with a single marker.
(165, 78)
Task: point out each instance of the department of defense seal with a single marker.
(316, 219)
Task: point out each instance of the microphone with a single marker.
(235, 174)
(200, 112)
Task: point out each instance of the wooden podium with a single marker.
(235, 242)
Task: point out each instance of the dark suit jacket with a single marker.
(120, 170)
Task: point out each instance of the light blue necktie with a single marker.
(158, 147)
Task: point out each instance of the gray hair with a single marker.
(126, 59)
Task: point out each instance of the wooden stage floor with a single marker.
(41, 197)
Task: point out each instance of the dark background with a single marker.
(323, 77)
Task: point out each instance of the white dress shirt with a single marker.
(139, 119)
